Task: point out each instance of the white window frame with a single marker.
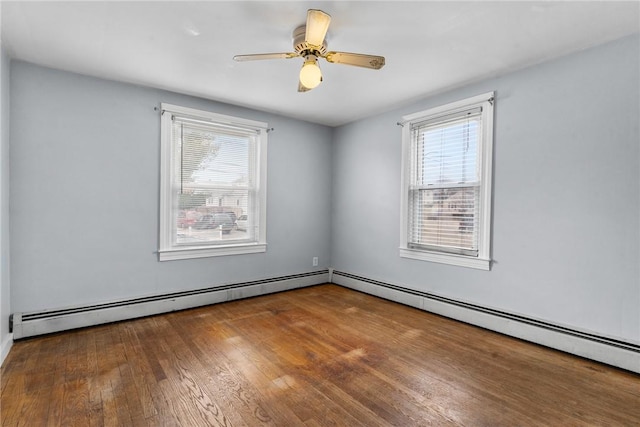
(483, 260)
(168, 251)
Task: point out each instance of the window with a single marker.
(446, 183)
(213, 171)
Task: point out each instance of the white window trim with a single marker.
(168, 252)
(483, 260)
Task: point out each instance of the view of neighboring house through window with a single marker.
(213, 173)
(447, 183)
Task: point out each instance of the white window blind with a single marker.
(446, 183)
(215, 175)
(212, 175)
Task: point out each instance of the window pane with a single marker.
(447, 153)
(445, 219)
(211, 217)
(208, 158)
(212, 182)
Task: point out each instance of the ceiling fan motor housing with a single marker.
(303, 48)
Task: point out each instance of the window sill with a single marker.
(451, 259)
(191, 252)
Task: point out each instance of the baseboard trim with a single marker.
(7, 342)
(45, 322)
(612, 351)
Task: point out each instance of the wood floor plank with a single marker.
(259, 375)
(230, 387)
(316, 356)
(290, 381)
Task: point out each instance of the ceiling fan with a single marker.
(309, 43)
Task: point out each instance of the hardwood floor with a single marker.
(318, 356)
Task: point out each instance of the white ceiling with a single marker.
(188, 47)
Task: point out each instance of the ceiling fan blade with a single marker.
(302, 88)
(317, 26)
(259, 56)
(357, 59)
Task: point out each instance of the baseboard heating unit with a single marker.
(612, 351)
(25, 325)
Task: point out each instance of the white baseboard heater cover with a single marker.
(25, 325)
(612, 351)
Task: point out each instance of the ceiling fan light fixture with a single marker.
(310, 74)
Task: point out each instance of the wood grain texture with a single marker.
(318, 356)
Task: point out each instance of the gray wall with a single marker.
(85, 194)
(5, 294)
(566, 228)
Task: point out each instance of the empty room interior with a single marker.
(364, 213)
